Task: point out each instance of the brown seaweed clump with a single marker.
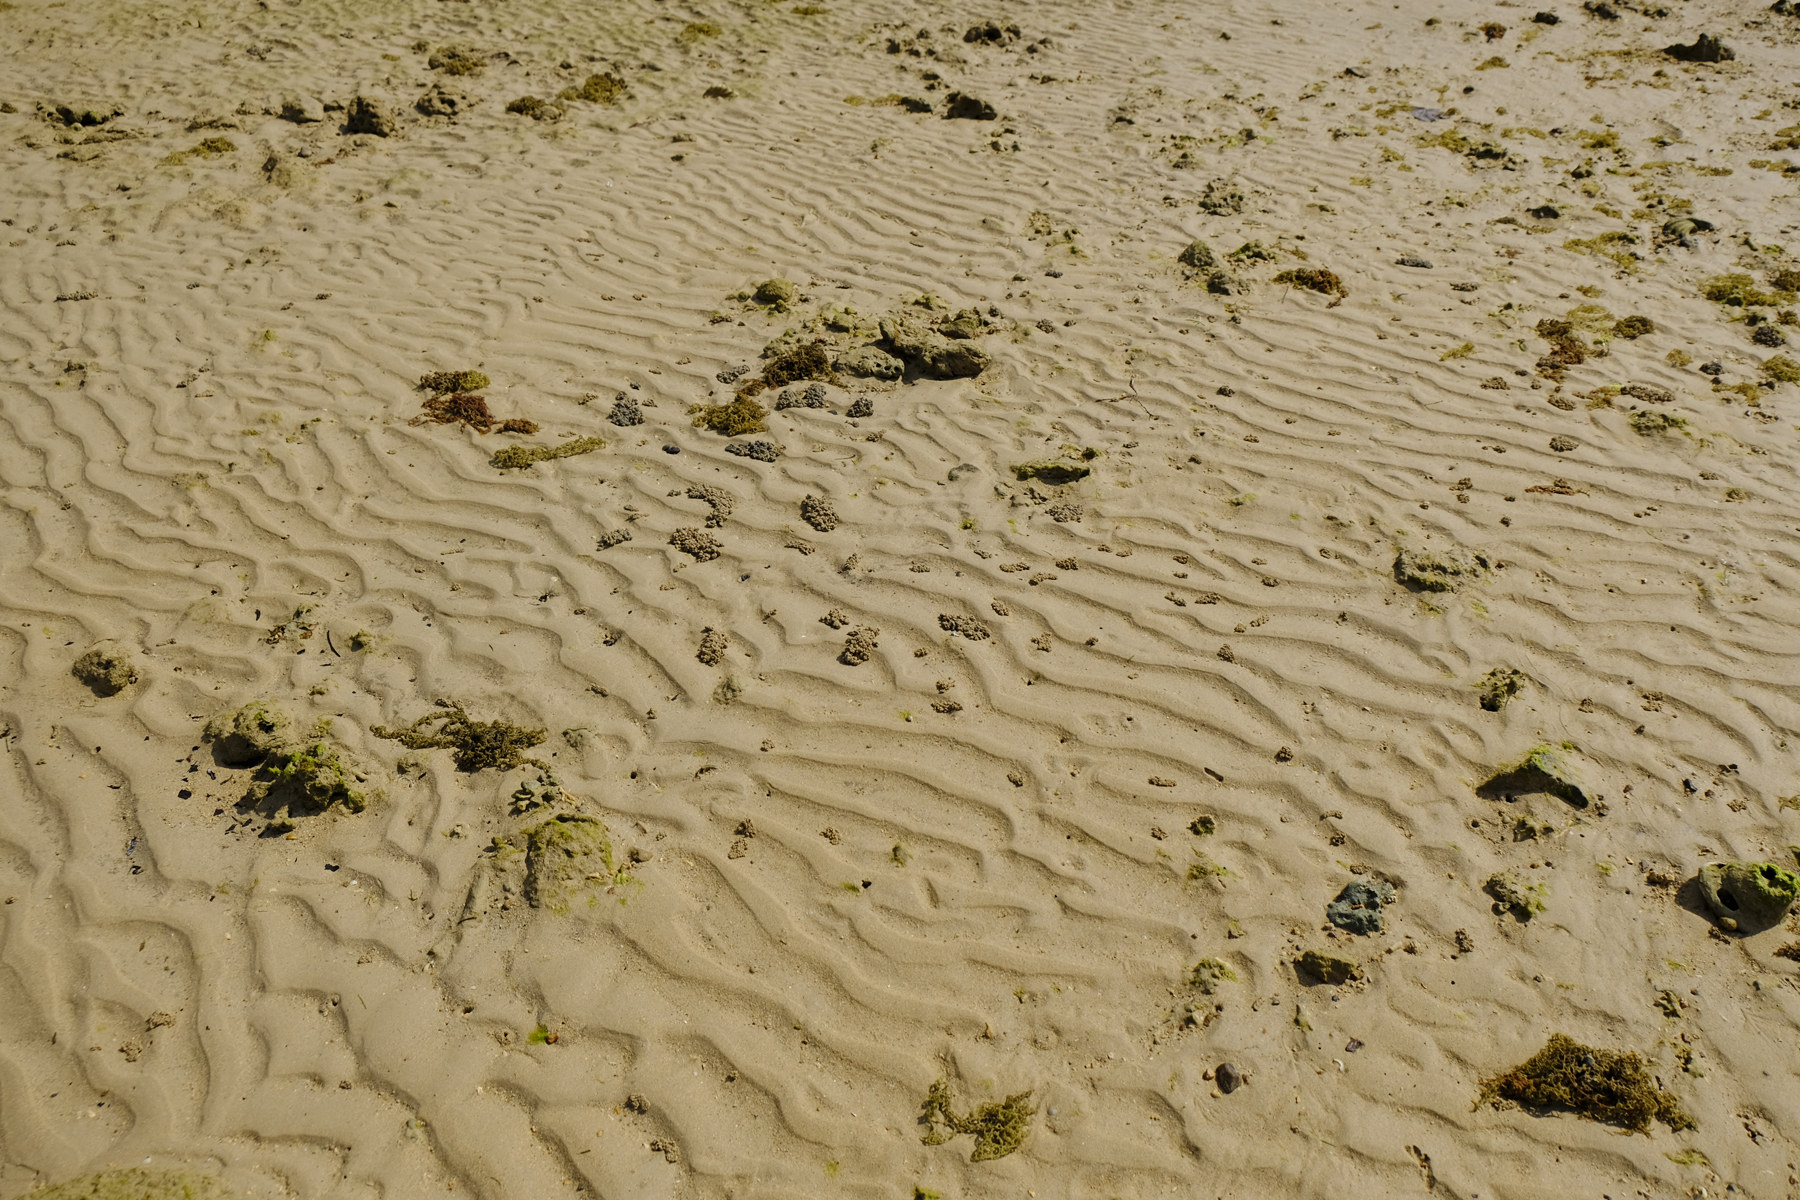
(1316, 279)
(1633, 327)
(454, 60)
(1609, 1086)
(457, 408)
(808, 361)
(475, 745)
(742, 415)
(999, 1128)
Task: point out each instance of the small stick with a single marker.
(328, 642)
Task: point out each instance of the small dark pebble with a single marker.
(671, 449)
(760, 451)
(1546, 212)
(1226, 391)
(1712, 368)
(1054, 273)
(1352, 1046)
(1228, 1078)
(1546, 18)
(1414, 261)
(1356, 72)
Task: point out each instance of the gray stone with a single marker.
(870, 362)
(302, 110)
(1357, 908)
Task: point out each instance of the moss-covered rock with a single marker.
(1442, 570)
(310, 776)
(1524, 900)
(250, 734)
(1357, 909)
(1545, 768)
(1754, 895)
(565, 856)
(870, 362)
(930, 354)
(1328, 968)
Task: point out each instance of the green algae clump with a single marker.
(999, 1128)
(1649, 422)
(742, 415)
(439, 382)
(475, 745)
(105, 670)
(1609, 1086)
(310, 776)
(598, 89)
(135, 1183)
(1523, 900)
(514, 457)
(777, 294)
(1209, 973)
(1737, 290)
(1633, 327)
(562, 857)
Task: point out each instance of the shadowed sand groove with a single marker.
(976, 858)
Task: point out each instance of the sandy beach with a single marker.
(897, 599)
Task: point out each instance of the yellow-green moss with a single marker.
(563, 857)
(1602, 1085)
(999, 1128)
(135, 1183)
(475, 744)
(441, 382)
(1316, 279)
(742, 415)
(513, 457)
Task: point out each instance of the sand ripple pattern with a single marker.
(996, 889)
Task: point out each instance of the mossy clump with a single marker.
(135, 1183)
(1208, 974)
(1752, 895)
(308, 776)
(1316, 279)
(1652, 421)
(563, 856)
(1545, 768)
(999, 1128)
(1609, 1086)
(1781, 369)
(537, 108)
(106, 670)
(1499, 686)
(742, 415)
(1439, 570)
(1328, 968)
(1737, 290)
(598, 89)
(693, 31)
(475, 745)
(1198, 256)
(514, 457)
(439, 382)
(1052, 470)
(1633, 327)
(1566, 350)
(454, 60)
(1253, 251)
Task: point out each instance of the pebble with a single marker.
(1228, 1077)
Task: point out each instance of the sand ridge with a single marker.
(976, 848)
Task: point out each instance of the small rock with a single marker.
(302, 110)
(1712, 368)
(1706, 49)
(968, 108)
(1357, 908)
(1410, 260)
(1754, 895)
(863, 406)
(1228, 1078)
(366, 114)
(759, 451)
(440, 100)
(870, 362)
(1562, 445)
(1546, 212)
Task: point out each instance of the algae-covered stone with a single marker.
(250, 734)
(1442, 570)
(777, 294)
(1545, 768)
(105, 669)
(964, 325)
(1755, 895)
(309, 776)
(563, 856)
(1357, 908)
(1328, 968)
(870, 362)
(1198, 256)
(1525, 900)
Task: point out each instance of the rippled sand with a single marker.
(972, 847)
